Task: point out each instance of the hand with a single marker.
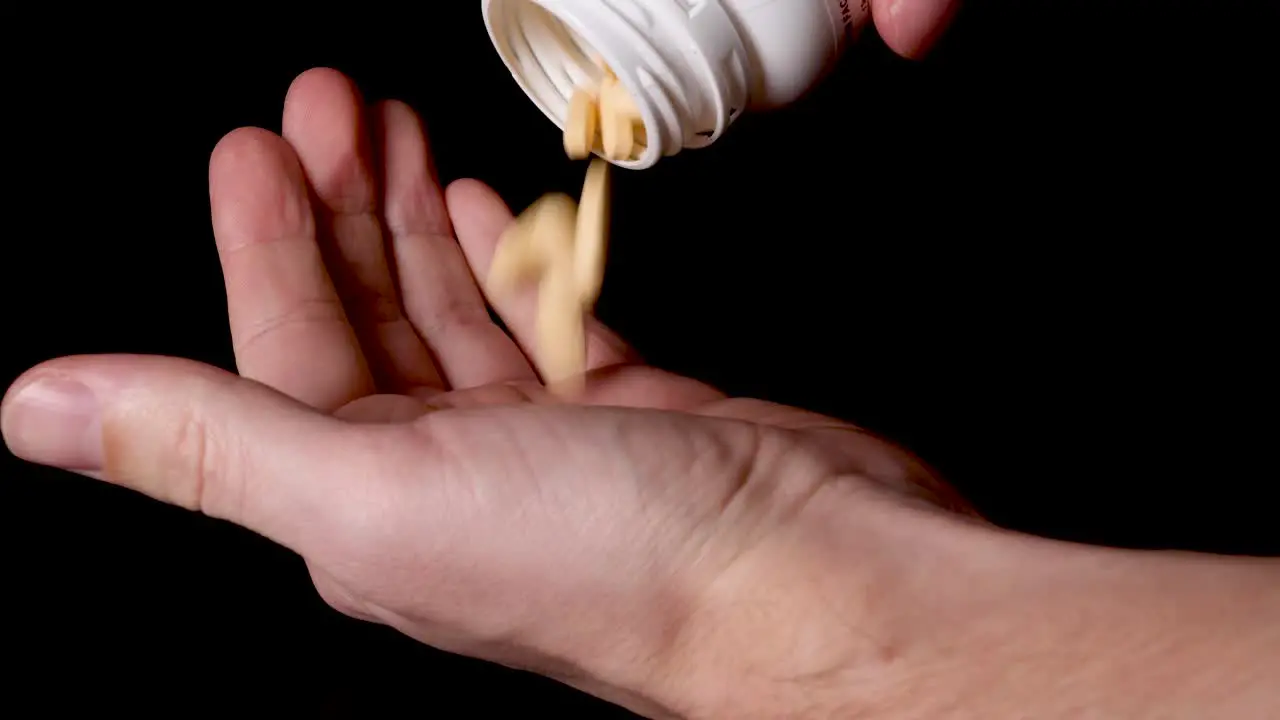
(911, 27)
(657, 544)
(389, 432)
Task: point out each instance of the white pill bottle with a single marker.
(692, 66)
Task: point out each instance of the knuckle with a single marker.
(453, 314)
(208, 466)
(345, 186)
(301, 313)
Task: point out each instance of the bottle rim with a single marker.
(549, 54)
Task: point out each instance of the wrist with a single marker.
(807, 624)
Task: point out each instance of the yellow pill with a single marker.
(590, 244)
(561, 334)
(539, 247)
(580, 126)
(619, 100)
(618, 135)
(552, 227)
(541, 235)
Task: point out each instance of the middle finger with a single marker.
(324, 122)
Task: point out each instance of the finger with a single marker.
(911, 27)
(197, 437)
(287, 323)
(479, 217)
(440, 295)
(324, 121)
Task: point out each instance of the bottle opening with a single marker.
(550, 60)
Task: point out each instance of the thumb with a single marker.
(186, 434)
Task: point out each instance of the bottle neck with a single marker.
(686, 69)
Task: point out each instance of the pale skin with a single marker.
(654, 542)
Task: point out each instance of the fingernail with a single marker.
(54, 421)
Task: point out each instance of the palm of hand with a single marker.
(363, 304)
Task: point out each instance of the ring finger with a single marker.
(440, 293)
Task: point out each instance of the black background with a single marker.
(1039, 259)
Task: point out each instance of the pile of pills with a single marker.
(559, 245)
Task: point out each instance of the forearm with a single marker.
(933, 618)
(1094, 632)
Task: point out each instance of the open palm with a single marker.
(351, 285)
(386, 429)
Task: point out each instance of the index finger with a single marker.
(287, 322)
